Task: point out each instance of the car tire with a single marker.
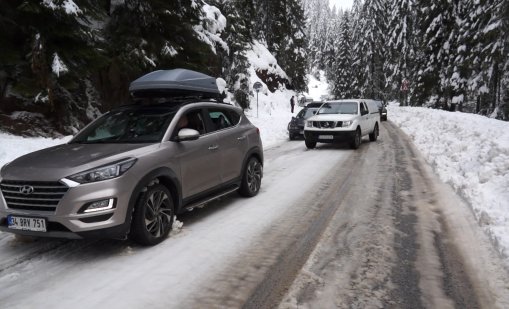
(356, 140)
(310, 144)
(374, 135)
(153, 216)
(251, 178)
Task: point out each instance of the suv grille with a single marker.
(327, 124)
(33, 195)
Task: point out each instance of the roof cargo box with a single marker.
(177, 82)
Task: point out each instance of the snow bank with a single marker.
(12, 146)
(469, 152)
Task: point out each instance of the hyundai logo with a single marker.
(26, 190)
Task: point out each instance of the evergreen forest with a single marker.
(64, 62)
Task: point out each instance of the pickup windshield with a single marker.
(128, 126)
(339, 108)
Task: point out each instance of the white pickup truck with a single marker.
(343, 120)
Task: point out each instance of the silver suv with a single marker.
(130, 171)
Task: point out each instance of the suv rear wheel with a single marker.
(153, 216)
(252, 178)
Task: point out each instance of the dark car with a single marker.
(296, 125)
(382, 109)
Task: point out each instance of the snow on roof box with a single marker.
(177, 82)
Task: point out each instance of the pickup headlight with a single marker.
(104, 172)
(347, 123)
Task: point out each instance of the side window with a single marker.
(234, 117)
(221, 119)
(364, 111)
(191, 120)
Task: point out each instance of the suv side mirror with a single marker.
(186, 134)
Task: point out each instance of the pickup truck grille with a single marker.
(327, 124)
(33, 195)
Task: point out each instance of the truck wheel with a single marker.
(374, 135)
(356, 141)
(310, 144)
(153, 216)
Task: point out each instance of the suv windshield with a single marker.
(141, 125)
(339, 108)
(306, 113)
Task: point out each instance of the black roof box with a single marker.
(177, 82)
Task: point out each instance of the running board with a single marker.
(201, 203)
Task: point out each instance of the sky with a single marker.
(345, 4)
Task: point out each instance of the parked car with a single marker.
(382, 109)
(296, 125)
(343, 120)
(129, 172)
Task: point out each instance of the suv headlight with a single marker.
(104, 172)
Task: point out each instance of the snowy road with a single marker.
(331, 227)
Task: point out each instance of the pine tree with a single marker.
(372, 46)
(238, 36)
(358, 56)
(436, 23)
(145, 35)
(294, 54)
(401, 48)
(341, 68)
(281, 24)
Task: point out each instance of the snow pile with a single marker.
(58, 66)
(213, 23)
(261, 59)
(12, 146)
(269, 111)
(68, 6)
(317, 88)
(471, 153)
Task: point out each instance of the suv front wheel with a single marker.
(153, 216)
(252, 178)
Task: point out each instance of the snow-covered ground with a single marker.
(469, 152)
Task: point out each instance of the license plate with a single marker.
(301, 131)
(26, 223)
(325, 137)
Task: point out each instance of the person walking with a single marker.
(292, 102)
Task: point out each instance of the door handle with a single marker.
(241, 138)
(213, 147)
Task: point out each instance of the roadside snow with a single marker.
(469, 152)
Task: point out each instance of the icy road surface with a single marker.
(331, 228)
